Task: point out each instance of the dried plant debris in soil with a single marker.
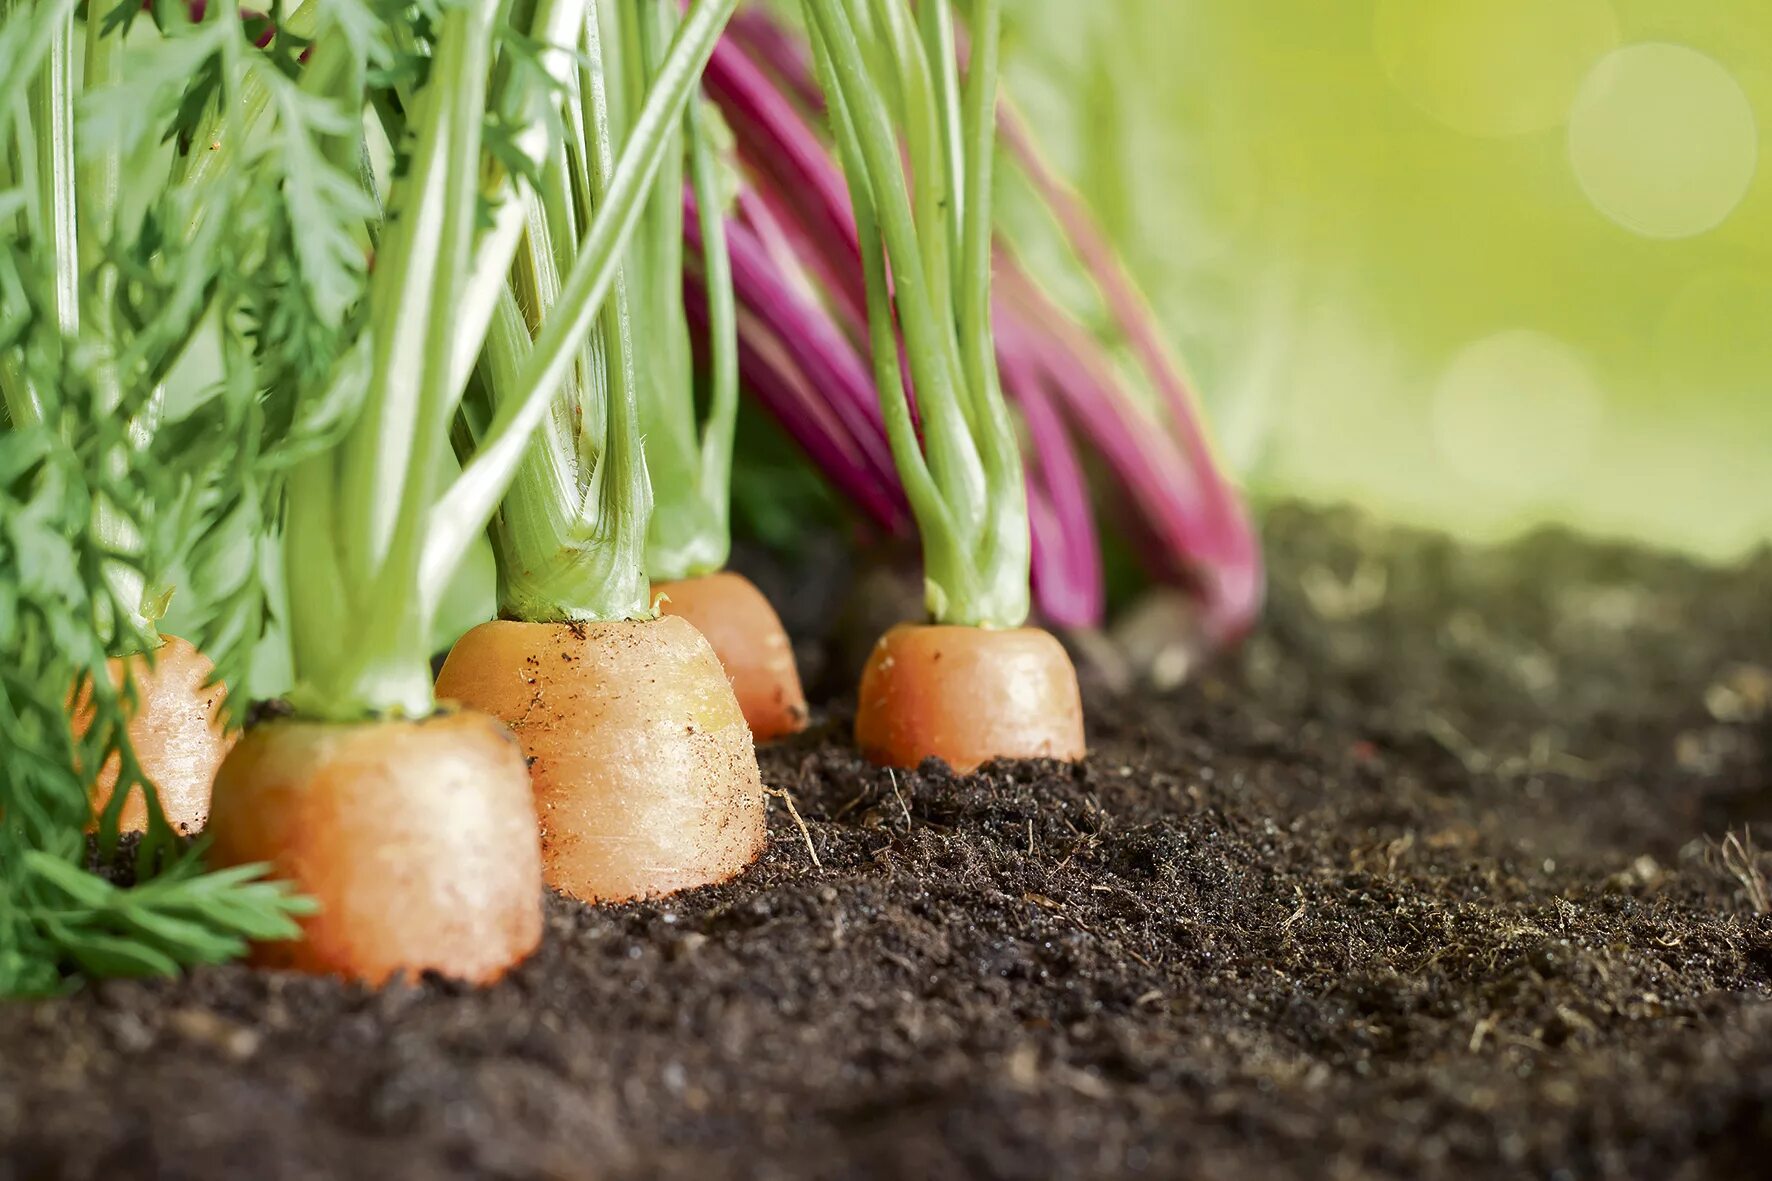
(1456, 872)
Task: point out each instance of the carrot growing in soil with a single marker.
(689, 539)
(973, 684)
(176, 701)
(176, 725)
(644, 771)
(802, 315)
(413, 826)
(101, 295)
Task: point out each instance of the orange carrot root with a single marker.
(752, 646)
(177, 734)
(968, 695)
(417, 839)
(645, 775)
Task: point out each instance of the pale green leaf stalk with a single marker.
(892, 86)
(570, 534)
(690, 462)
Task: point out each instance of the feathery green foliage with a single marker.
(102, 293)
(246, 230)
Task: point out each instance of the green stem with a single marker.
(946, 569)
(41, 28)
(953, 457)
(101, 172)
(470, 501)
(1007, 541)
(974, 519)
(721, 427)
(926, 148)
(551, 565)
(354, 536)
(555, 24)
(687, 535)
(390, 667)
(383, 457)
(936, 22)
(569, 537)
(52, 113)
(320, 605)
(21, 403)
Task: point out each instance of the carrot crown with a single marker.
(889, 73)
(571, 534)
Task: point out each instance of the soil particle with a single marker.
(1434, 880)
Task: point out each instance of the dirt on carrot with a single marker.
(645, 776)
(1433, 881)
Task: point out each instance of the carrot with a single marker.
(176, 732)
(644, 775)
(405, 325)
(753, 647)
(688, 438)
(975, 684)
(417, 839)
(414, 831)
(967, 695)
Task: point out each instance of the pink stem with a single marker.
(825, 357)
(1067, 574)
(780, 52)
(1124, 301)
(776, 142)
(774, 376)
(1207, 541)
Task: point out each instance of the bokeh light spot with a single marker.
(1515, 413)
(1493, 67)
(1663, 140)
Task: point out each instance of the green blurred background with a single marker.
(1475, 263)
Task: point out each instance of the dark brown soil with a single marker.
(1429, 882)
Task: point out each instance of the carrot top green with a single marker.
(892, 85)
(241, 370)
(572, 534)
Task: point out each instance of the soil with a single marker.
(1450, 872)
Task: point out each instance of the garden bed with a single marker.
(1430, 880)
